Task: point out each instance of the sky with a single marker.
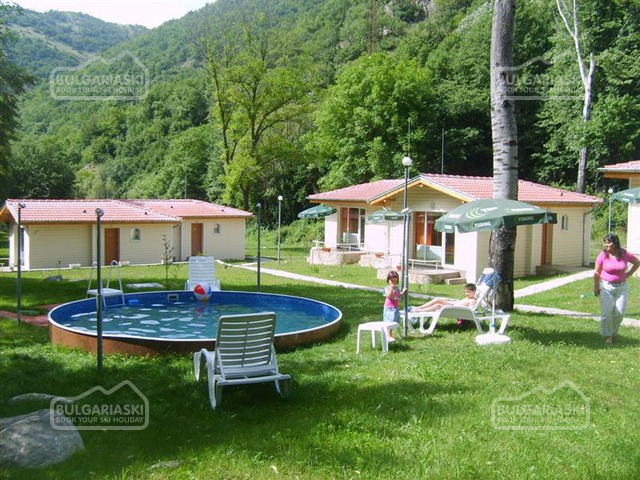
(149, 13)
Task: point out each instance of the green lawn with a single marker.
(436, 407)
(4, 245)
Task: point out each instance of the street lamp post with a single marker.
(19, 257)
(406, 162)
(610, 191)
(279, 222)
(259, 213)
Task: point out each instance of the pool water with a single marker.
(181, 316)
(182, 320)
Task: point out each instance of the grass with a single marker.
(422, 411)
(4, 244)
(578, 297)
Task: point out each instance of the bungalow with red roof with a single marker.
(431, 196)
(628, 171)
(64, 232)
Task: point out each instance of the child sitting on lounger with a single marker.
(469, 300)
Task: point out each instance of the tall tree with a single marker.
(13, 82)
(41, 169)
(505, 143)
(571, 22)
(362, 123)
(261, 94)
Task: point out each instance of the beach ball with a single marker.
(203, 292)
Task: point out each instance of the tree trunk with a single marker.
(586, 116)
(572, 24)
(581, 181)
(505, 144)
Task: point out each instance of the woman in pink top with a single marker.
(610, 284)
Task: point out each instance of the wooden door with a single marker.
(111, 245)
(196, 239)
(547, 244)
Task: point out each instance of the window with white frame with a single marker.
(564, 222)
(135, 234)
(217, 229)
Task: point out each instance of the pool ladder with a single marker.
(107, 291)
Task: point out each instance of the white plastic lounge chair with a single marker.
(481, 311)
(202, 270)
(244, 353)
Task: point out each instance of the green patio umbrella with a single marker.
(631, 195)
(318, 211)
(385, 215)
(492, 213)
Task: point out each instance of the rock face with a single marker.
(29, 441)
(38, 397)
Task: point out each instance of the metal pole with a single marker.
(185, 181)
(19, 257)
(259, 211)
(406, 162)
(279, 222)
(610, 193)
(99, 214)
(442, 153)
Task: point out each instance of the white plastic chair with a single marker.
(202, 270)
(244, 353)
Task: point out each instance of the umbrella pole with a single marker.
(492, 326)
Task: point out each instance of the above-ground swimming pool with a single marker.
(160, 322)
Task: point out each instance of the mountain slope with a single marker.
(53, 39)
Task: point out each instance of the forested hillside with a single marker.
(252, 99)
(54, 39)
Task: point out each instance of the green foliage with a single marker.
(56, 39)
(363, 123)
(4, 242)
(437, 393)
(314, 94)
(13, 82)
(42, 167)
(261, 96)
(610, 31)
(458, 67)
(298, 234)
(167, 258)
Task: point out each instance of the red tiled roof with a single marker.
(465, 187)
(190, 208)
(358, 193)
(115, 211)
(482, 187)
(633, 167)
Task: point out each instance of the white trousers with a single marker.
(613, 304)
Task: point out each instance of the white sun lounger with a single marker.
(482, 310)
(244, 353)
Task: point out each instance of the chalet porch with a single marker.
(421, 271)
